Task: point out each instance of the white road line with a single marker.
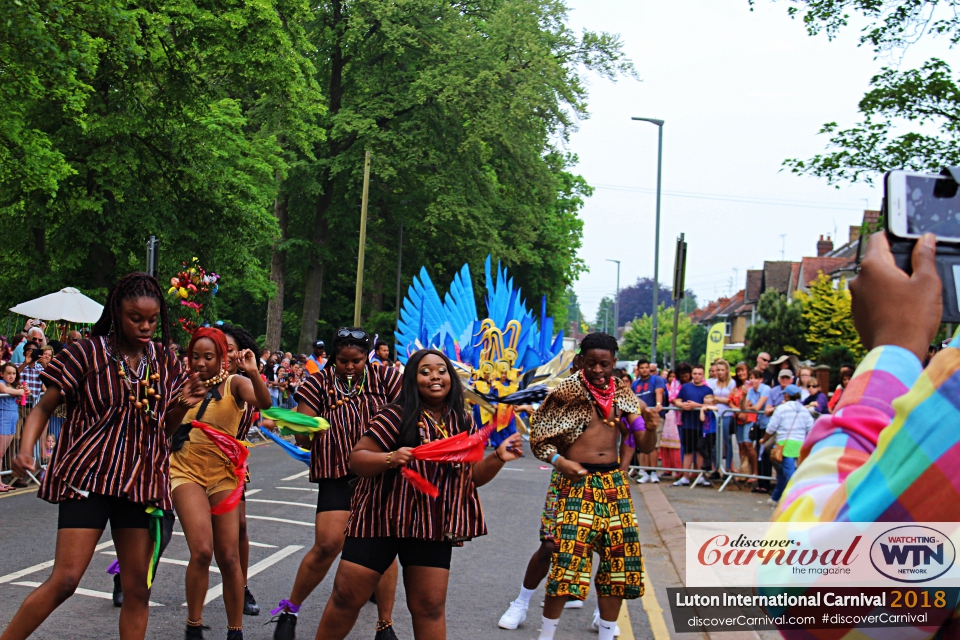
(292, 504)
(181, 563)
(216, 591)
(298, 489)
(268, 518)
(45, 565)
(510, 469)
(295, 476)
(253, 491)
(252, 543)
(103, 595)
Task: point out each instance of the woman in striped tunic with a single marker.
(125, 395)
(347, 394)
(390, 519)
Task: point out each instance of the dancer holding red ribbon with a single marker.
(207, 474)
(391, 517)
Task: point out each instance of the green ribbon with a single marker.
(293, 423)
(156, 534)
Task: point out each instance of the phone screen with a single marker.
(933, 206)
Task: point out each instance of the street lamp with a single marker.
(656, 237)
(616, 302)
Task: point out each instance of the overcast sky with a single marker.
(740, 91)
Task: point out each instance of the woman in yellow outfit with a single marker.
(201, 477)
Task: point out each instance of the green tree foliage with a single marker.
(780, 328)
(902, 106)
(639, 338)
(605, 311)
(574, 313)
(826, 312)
(698, 343)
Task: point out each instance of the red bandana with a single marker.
(604, 397)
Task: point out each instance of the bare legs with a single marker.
(75, 548)
(244, 541)
(426, 599)
(539, 565)
(4, 443)
(209, 537)
(327, 544)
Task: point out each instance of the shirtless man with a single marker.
(577, 429)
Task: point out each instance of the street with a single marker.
(485, 575)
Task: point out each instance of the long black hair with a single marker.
(130, 287)
(412, 404)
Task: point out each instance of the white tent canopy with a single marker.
(67, 304)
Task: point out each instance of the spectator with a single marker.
(317, 361)
(670, 437)
(763, 365)
(741, 421)
(757, 396)
(34, 337)
(5, 350)
(650, 389)
(11, 389)
(713, 372)
(690, 399)
(722, 384)
(784, 378)
(788, 427)
(30, 373)
(804, 374)
(708, 441)
(785, 363)
(75, 336)
(382, 353)
(15, 342)
(816, 400)
(846, 374)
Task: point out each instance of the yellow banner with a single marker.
(715, 343)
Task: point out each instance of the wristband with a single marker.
(638, 424)
(553, 459)
(388, 458)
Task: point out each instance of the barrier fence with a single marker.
(13, 446)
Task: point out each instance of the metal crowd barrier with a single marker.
(6, 463)
(719, 455)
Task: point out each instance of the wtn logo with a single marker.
(912, 554)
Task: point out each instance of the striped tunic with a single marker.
(454, 515)
(330, 451)
(106, 445)
(246, 421)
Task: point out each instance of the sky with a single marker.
(740, 92)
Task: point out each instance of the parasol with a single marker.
(67, 304)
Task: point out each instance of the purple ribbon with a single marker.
(285, 604)
(114, 567)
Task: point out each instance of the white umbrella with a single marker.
(67, 304)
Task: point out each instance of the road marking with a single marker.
(45, 565)
(252, 543)
(305, 524)
(19, 492)
(216, 591)
(623, 621)
(295, 476)
(510, 469)
(181, 563)
(298, 489)
(103, 595)
(658, 626)
(253, 491)
(292, 504)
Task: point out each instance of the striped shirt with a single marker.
(889, 453)
(246, 420)
(30, 376)
(106, 445)
(407, 513)
(330, 451)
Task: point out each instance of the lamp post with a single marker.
(616, 301)
(656, 236)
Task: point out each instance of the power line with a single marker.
(805, 204)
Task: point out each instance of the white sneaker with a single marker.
(573, 603)
(643, 478)
(682, 482)
(654, 478)
(595, 625)
(772, 502)
(514, 616)
(703, 482)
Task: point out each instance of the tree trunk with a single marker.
(314, 283)
(278, 268)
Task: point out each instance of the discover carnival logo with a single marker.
(912, 553)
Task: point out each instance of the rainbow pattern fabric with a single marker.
(890, 453)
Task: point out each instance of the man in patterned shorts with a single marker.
(577, 429)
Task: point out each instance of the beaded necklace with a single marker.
(348, 393)
(141, 390)
(607, 396)
(433, 421)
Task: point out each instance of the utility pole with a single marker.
(363, 239)
(783, 246)
(153, 255)
(656, 234)
(679, 278)
(616, 302)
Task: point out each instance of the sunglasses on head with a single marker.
(347, 333)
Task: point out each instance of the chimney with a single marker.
(824, 246)
(854, 233)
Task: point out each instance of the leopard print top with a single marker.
(566, 412)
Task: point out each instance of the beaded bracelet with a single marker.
(388, 458)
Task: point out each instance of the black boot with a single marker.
(286, 627)
(385, 631)
(234, 634)
(250, 606)
(195, 632)
(117, 591)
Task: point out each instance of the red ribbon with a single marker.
(462, 447)
(237, 454)
(604, 397)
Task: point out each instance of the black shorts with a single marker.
(95, 511)
(335, 494)
(690, 438)
(379, 553)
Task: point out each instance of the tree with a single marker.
(638, 339)
(698, 343)
(780, 328)
(605, 311)
(829, 321)
(574, 313)
(637, 300)
(927, 99)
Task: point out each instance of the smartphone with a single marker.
(919, 203)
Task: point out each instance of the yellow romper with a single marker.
(200, 461)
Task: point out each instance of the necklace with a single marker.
(433, 421)
(141, 390)
(349, 394)
(216, 380)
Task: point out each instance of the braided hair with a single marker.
(130, 287)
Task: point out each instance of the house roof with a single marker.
(722, 308)
(754, 284)
(776, 276)
(812, 266)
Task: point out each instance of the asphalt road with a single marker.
(485, 575)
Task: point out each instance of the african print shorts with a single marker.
(595, 513)
(548, 518)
